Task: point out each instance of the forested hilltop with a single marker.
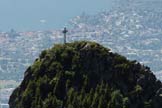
(86, 75)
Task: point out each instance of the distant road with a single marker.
(4, 105)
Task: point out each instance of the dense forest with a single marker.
(86, 75)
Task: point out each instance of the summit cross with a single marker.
(65, 32)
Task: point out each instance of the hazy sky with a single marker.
(44, 14)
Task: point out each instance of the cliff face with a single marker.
(86, 75)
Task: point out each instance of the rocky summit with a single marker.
(86, 75)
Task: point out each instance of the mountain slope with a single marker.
(84, 75)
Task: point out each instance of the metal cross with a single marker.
(64, 32)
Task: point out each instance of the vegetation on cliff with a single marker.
(86, 75)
